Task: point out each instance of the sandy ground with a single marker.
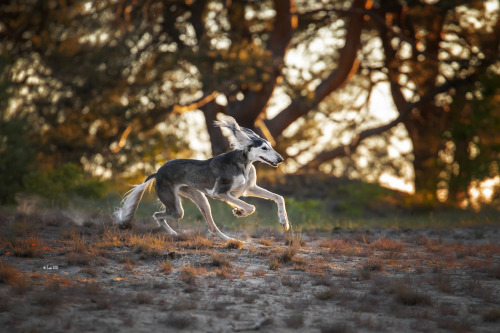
(56, 276)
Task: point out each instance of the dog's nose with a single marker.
(280, 159)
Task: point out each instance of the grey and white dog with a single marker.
(225, 177)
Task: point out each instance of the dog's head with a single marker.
(256, 147)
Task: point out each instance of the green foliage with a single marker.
(359, 197)
(308, 210)
(62, 184)
(474, 135)
(16, 157)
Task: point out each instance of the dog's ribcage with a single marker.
(211, 177)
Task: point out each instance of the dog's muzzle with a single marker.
(271, 163)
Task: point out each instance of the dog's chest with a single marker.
(239, 185)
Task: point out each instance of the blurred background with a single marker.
(358, 96)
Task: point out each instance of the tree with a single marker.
(97, 78)
(433, 58)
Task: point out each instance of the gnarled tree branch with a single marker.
(346, 150)
(346, 66)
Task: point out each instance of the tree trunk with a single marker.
(218, 142)
(425, 130)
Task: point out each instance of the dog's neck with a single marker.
(243, 160)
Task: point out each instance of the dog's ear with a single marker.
(240, 136)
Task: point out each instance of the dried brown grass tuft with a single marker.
(4, 303)
(410, 296)
(223, 273)
(27, 248)
(195, 242)
(26, 225)
(340, 246)
(77, 258)
(492, 315)
(265, 242)
(8, 274)
(179, 321)
(143, 298)
(369, 266)
(294, 239)
(166, 267)
(234, 244)
(48, 299)
(69, 233)
(285, 255)
(148, 245)
(326, 294)
(387, 244)
(188, 274)
(259, 272)
(220, 259)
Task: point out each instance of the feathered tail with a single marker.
(124, 214)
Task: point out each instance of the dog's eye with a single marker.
(264, 148)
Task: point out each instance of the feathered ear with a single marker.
(240, 139)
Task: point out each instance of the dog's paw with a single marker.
(285, 224)
(238, 212)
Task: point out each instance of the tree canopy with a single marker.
(103, 82)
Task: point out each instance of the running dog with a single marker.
(224, 177)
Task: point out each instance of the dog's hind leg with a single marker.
(201, 201)
(173, 208)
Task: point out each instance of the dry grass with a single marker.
(259, 272)
(293, 284)
(300, 263)
(265, 242)
(286, 254)
(79, 244)
(294, 239)
(283, 256)
(188, 274)
(48, 299)
(26, 248)
(195, 242)
(410, 296)
(340, 247)
(443, 282)
(220, 259)
(274, 264)
(90, 271)
(223, 273)
(387, 244)
(4, 303)
(492, 315)
(8, 274)
(166, 267)
(77, 258)
(369, 266)
(26, 225)
(149, 245)
(326, 294)
(143, 298)
(234, 244)
(373, 264)
(179, 321)
(69, 233)
(403, 276)
(109, 239)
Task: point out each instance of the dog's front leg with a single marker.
(260, 192)
(242, 208)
